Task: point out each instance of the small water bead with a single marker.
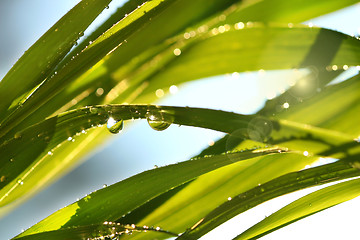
(239, 25)
(17, 135)
(173, 89)
(177, 52)
(286, 105)
(159, 93)
(187, 35)
(20, 181)
(157, 120)
(114, 126)
(99, 92)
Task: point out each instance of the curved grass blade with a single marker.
(112, 202)
(106, 230)
(303, 207)
(285, 11)
(51, 134)
(250, 49)
(39, 61)
(283, 185)
(105, 44)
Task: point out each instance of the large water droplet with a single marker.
(114, 126)
(157, 120)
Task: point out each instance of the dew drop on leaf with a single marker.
(157, 120)
(17, 135)
(114, 126)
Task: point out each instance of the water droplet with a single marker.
(239, 25)
(20, 181)
(177, 52)
(114, 126)
(157, 120)
(70, 139)
(173, 89)
(107, 7)
(186, 35)
(221, 29)
(306, 153)
(50, 153)
(99, 92)
(286, 105)
(104, 186)
(222, 17)
(229, 198)
(17, 135)
(159, 93)
(11, 159)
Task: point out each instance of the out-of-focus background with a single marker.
(23, 22)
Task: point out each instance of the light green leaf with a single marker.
(95, 231)
(110, 203)
(280, 186)
(20, 173)
(303, 207)
(39, 61)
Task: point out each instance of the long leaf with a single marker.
(283, 185)
(51, 134)
(303, 207)
(112, 202)
(39, 61)
(96, 231)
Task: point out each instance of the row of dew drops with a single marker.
(118, 229)
(156, 120)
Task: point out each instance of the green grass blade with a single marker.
(249, 49)
(280, 186)
(47, 137)
(285, 11)
(96, 231)
(303, 207)
(204, 194)
(114, 201)
(111, 39)
(39, 61)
